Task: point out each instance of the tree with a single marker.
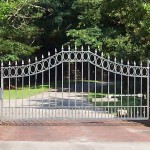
(18, 33)
(32, 26)
(119, 28)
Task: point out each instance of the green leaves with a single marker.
(19, 34)
(87, 36)
(12, 50)
(120, 28)
(117, 27)
(89, 12)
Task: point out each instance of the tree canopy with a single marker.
(119, 28)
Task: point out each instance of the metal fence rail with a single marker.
(75, 84)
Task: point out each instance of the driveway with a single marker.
(53, 104)
(74, 135)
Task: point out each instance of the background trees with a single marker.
(17, 30)
(31, 26)
(119, 28)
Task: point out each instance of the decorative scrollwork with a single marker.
(74, 56)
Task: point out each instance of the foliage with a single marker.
(119, 28)
(17, 30)
(28, 26)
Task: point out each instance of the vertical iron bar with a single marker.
(9, 88)
(148, 89)
(22, 87)
(115, 85)
(42, 84)
(121, 83)
(69, 59)
(35, 86)
(75, 57)
(29, 88)
(89, 88)
(128, 88)
(49, 83)
(82, 78)
(102, 79)
(108, 80)
(95, 80)
(88, 69)
(134, 88)
(140, 109)
(62, 59)
(16, 85)
(55, 80)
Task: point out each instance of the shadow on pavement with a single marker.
(142, 122)
(69, 122)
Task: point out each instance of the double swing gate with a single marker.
(74, 84)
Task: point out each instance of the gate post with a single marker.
(1, 94)
(1, 107)
(148, 89)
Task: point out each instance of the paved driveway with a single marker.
(75, 131)
(50, 104)
(74, 135)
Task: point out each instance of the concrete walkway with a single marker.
(73, 146)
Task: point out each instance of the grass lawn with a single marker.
(73, 81)
(25, 92)
(125, 100)
(98, 95)
(135, 102)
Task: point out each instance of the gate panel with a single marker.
(76, 85)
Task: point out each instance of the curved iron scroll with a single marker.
(74, 56)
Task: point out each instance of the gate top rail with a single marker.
(74, 56)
